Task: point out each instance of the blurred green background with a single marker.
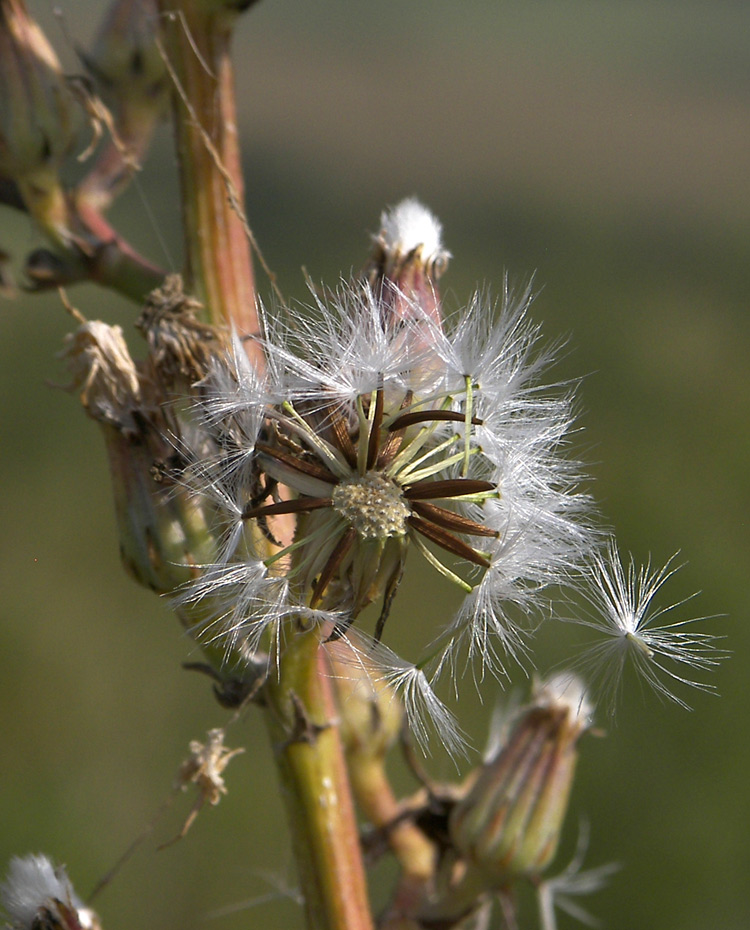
(602, 147)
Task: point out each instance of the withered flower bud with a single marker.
(205, 766)
(164, 529)
(180, 344)
(36, 117)
(509, 823)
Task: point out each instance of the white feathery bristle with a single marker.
(409, 225)
(423, 707)
(33, 882)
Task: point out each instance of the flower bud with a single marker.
(125, 58)
(36, 116)
(131, 77)
(371, 714)
(509, 823)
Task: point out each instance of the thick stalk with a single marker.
(312, 771)
(299, 705)
(197, 38)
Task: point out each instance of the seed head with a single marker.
(39, 896)
(381, 428)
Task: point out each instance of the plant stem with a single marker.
(374, 794)
(299, 705)
(197, 37)
(315, 787)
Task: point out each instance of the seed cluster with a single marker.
(373, 505)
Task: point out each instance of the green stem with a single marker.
(315, 786)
